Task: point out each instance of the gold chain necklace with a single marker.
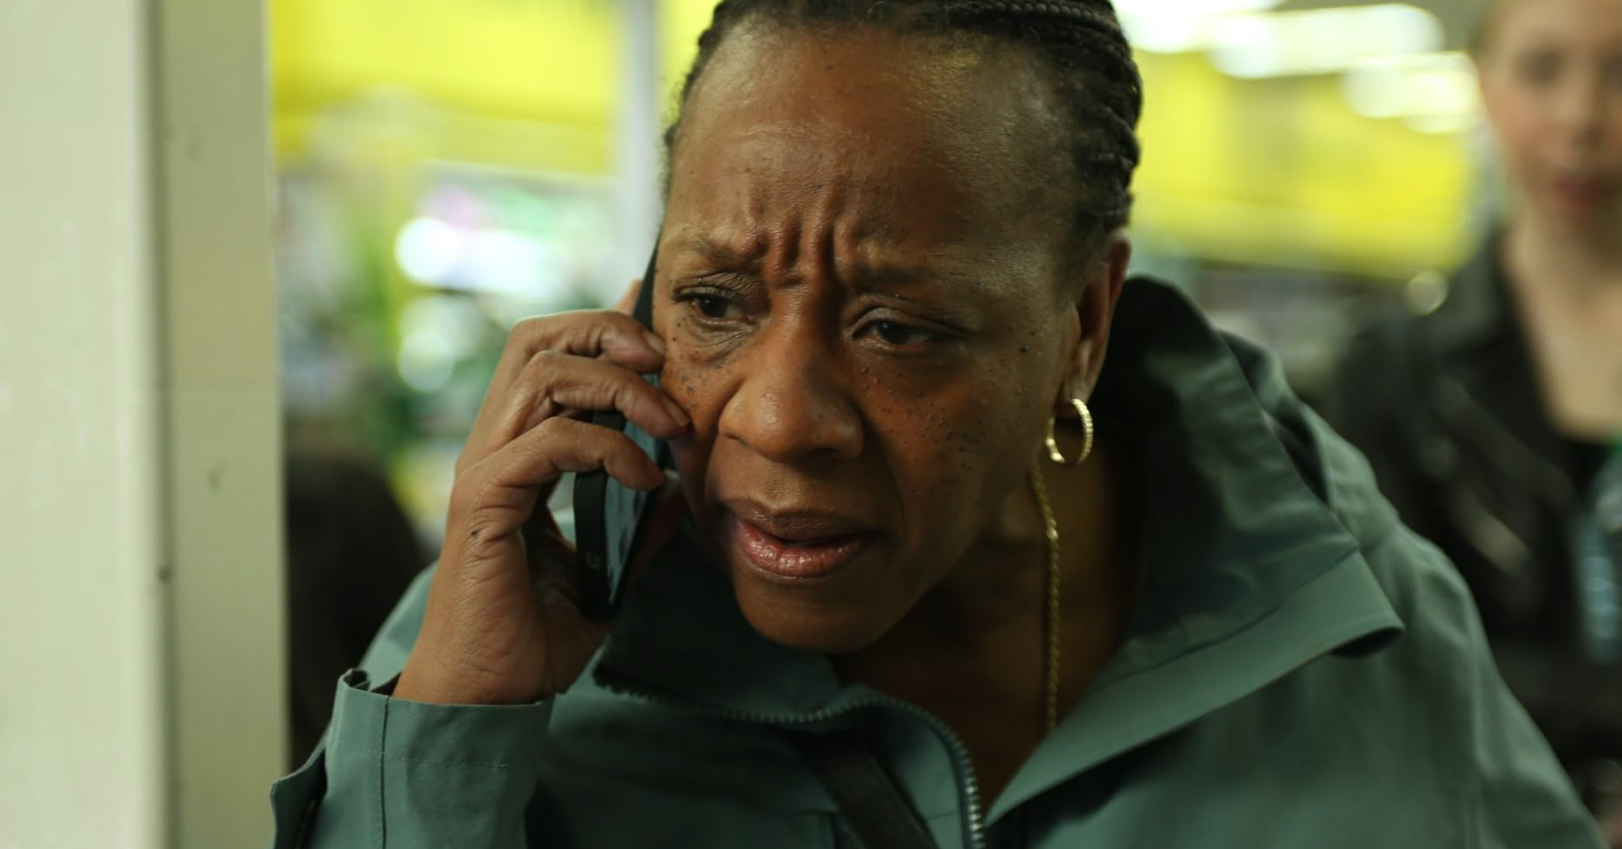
(1050, 672)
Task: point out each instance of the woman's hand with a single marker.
(501, 626)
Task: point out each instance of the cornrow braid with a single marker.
(1079, 43)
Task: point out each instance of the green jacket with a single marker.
(1302, 672)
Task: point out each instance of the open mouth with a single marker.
(815, 542)
(795, 547)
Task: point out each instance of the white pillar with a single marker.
(637, 145)
(223, 425)
(141, 680)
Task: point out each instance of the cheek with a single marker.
(956, 454)
(1519, 124)
(699, 385)
(696, 376)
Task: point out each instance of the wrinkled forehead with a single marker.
(909, 129)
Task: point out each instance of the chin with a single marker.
(809, 620)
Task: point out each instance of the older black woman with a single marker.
(1054, 603)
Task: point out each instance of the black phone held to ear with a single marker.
(607, 513)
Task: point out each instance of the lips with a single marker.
(1580, 189)
(794, 544)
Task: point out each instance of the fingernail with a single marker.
(677, 413)
(654, 341)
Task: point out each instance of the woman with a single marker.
(892, 258)
(1489, 421)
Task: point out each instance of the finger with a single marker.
(586, 333)
(555, 383)
(617, 338)
(614, 336)
(627, 301)
(558, 384)
(499, 494)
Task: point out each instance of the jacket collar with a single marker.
(1475, 313)
(1250, 574)
(1483, 356)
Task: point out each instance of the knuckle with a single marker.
(522, 403)
(613, 322)
(626, 394)
(532, 327)
(553, 428)
(527, 333)
(597, 335)
(466, 495)
(545, 360)
(480, 523)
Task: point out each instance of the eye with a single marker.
(712, 306)
(900, 335)
(1540, 68)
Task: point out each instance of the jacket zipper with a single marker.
(963, 769)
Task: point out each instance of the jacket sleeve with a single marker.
(1523, 797)
(392, 774)
(1515, 795)
(1481, 747)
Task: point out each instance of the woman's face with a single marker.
(1551, 78)
(859, 290)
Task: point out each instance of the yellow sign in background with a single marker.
(1266, 172)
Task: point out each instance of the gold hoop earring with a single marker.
(1055, 454)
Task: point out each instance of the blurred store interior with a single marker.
(447, 168)
(437, 170)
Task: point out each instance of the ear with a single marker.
(1099, 291)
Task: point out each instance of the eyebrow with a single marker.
(885, 273)
(717, 251)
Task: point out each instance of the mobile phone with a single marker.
(607, 513)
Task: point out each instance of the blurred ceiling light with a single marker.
(1176, 26)
(509, 262)
(437, 253)
(454, 319)
(427, 249)
(426, 361)
(1426, 292)
(1432, 92)
(1320, 41)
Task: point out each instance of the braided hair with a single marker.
(1079, 44)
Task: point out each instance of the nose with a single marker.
(792, 403)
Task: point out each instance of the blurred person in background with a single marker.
(1492, 423)
(351, 553)
(930, 572)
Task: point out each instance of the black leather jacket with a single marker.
(1447, 409)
